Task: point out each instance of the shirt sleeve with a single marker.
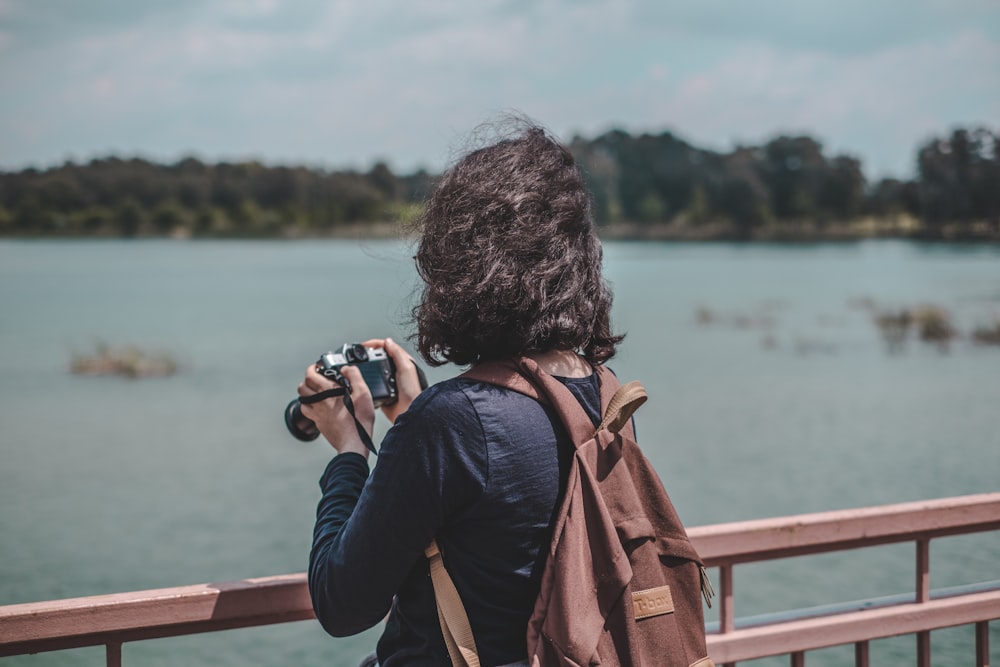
(370, 534)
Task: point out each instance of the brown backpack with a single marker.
(622, 584)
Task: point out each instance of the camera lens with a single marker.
(298, 424)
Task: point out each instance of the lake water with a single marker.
(772, 393)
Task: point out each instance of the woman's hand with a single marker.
(407, 380)
(331, 415)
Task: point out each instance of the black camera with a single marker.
(376, 368)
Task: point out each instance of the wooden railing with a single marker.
(727, 545)
(112, 620)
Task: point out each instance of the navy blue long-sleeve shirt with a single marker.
(479, 467)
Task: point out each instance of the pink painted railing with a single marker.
(112, 620)
(727, 545)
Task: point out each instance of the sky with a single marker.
(345, 83)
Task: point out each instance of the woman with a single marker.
(511, 267)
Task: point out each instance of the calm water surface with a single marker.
(771, 393)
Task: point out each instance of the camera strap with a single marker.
(349, 404)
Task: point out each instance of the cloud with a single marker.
(893, 97)
(878, 105)
(340, 82)
(847, 27)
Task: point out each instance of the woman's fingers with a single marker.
(331, 417)
(406, 367)
(359, 388)
(407, 380)
(314, 381)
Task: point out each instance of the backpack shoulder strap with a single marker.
(451, 612)
(504, 374)
(525, 376)
(623, 404)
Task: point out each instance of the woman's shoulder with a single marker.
(448, 404)
(445, 395)
(463, 399)
(458, 394)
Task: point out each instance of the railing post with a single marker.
(983, 644)
(799, 659)
(923, 570)
(923, 594)
(727, 615)
(114, 654)
(924, 649)
(861, 654)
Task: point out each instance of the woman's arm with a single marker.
(342, 483)
(370, 534)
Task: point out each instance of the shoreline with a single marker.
(861, 230)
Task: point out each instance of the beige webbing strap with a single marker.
(451, 612)
(623, 404)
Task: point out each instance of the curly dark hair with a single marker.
(510, 259)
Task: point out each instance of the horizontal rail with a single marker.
(831, 609)
(123, 617)
(114, 619)
(767, 539)
(847, 628)
(55, 625)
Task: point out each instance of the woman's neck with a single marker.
(564, 363)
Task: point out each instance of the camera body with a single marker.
(375, 365)
(376, 368)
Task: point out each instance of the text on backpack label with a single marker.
(652, 602)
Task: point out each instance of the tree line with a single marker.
(644, 185)
(789, 184)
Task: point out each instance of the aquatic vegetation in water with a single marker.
(932, 325)
(894, 327)
(127, 361)
(928, 323)
(762, 318)
(988, 335)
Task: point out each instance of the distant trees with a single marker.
(790, 183)
(650, 181)
(116, 197)
(959, 180)
(655, 178)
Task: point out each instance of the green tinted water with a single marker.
(781, 399)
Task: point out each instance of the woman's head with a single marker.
(509, 258)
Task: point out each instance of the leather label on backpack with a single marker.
(652, 602)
